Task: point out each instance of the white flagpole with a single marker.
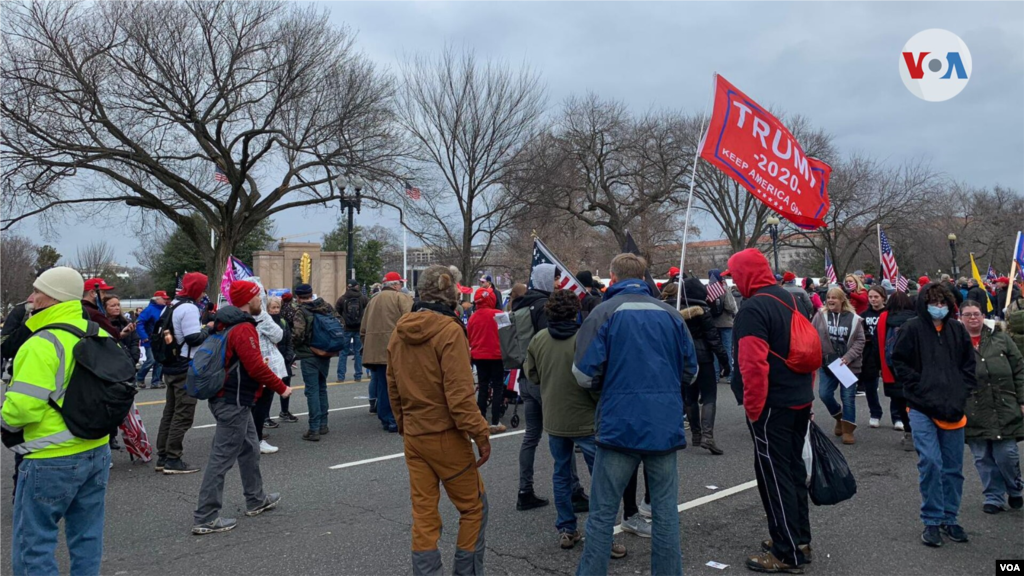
(881, 264)
(1013, 273)
(405, 254)
(689, 202)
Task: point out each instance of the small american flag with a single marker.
(889, 268)
(412, 192)
(715, 287)
(901, 283)
(830, 270)
(220, 176)
(991, 275)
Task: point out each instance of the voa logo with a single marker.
(935, 65)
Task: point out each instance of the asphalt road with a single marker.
(356, 519)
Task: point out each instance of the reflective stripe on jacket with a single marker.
(42, 370)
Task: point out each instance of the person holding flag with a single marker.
(723, 310)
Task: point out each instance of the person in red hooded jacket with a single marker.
(486, 353)
(778, 402)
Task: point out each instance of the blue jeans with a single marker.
(314, 377)
(726, 334)
(940, 467)
(998, 464)
(353, 346)
(612, 471)
(827, 392)
(158, 368)
(562, 479)
(69, 487)
(379, 383)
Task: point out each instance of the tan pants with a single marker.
(445, 458)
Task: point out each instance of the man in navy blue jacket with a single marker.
(144, 326)
(636, 351)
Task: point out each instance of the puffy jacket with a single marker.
(302, 328)
(147, 321)
(430, 381)
(271, 335)
(993, 409)
(761, 340)
(36, 366)
(244, 385)
(286, 347)
(697, 314)
(379, 321)
(483, 329)
(636, 350)
(936, 368)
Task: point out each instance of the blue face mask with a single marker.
(937, 312)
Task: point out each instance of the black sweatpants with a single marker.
(491, 377)
(781, 479)
(261, 411)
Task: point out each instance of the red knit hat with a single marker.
(923, 280)
(788, 276)
(242, 291)
(1003, 280)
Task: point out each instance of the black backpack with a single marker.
(353, 313)
(162, 342)
(101, 390)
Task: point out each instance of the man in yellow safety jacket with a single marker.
(61, 477)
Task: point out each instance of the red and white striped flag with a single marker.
(715, 287)
(412, 192)
(890, 270)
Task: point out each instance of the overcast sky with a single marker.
(836, 63)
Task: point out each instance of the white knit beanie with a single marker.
(63, 284)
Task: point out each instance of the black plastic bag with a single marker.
(831, 479)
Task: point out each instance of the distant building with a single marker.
(704, 255)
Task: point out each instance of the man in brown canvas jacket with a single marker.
(430, 383)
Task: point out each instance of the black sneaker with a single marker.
(373, 406)
(931, 536)
(178, 466)
(580, 502)
(324, 430)
(955, 532)
(311, 436)
(991, 509)
(529, 501)
(287, 417)
(160, 461)
(269, 502)
(1016, 502)
(269, 423)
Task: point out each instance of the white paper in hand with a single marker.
(843, 373)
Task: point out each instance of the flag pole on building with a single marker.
(689, 201)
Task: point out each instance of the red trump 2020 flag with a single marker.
(753, 148)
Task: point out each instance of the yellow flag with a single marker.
(305, 268)
(977, 276)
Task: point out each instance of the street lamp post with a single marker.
(353, 204)
(955, 272)
(773, 228)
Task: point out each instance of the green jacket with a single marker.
(43, 363)
(994, 409)
(568, 409)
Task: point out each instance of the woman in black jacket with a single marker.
(898, 310)
(700, 398)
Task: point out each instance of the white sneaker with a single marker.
(898, 425)
(637, 525)
(266, 448)
(875, 422)
(644, 509)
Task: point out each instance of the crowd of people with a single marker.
(618, 374)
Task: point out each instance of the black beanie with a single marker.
(585, 278)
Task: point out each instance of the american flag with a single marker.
(889, 268)
(1018, 253)
(133, 434)
(564, 280)
(715, 287)
(178, 281)
(412, 192)
(901, 284)
(830, 270)
(220, 176)
(991, 275)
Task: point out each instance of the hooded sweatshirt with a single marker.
(761, 340)
(568, 409)
(430, 381)
(483, 329)
(935, 366)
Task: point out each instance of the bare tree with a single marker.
(140, 102)
(609, 169)
(468, 121)
(96, 260)
(18, 255)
